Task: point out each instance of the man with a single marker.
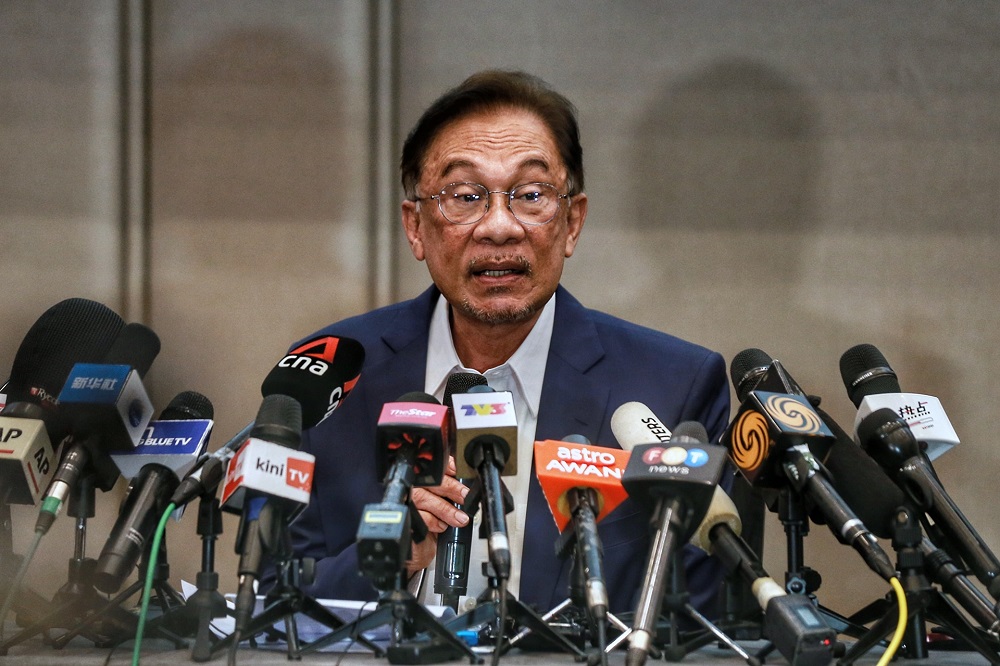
(493, 177)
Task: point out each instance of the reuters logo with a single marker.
(750, 442)
(792, 414)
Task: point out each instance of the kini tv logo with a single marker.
(296, 473)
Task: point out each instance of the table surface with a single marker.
(81, 652)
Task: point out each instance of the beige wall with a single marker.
(798, 177)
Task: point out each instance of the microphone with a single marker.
(454, 545)
(582, 484)
(109, 398)
(777, 439)
(107, 409)
(168, 448)
(319, 374)
(872, 384)
(73, 330)
(887, 438)
(27, 461)
(791, 621)
(486, 447)
(674, 481)
(410, 437)
(269, 480)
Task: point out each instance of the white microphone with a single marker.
(872, 385)
(27, 460)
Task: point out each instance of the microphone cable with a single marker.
(147, 589)
(15, 584)
(897, 638)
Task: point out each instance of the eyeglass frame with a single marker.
(486, 210)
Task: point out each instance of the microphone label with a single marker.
(176, 444)
(92, 386)
(561, 466)
(484, 414)
(27, 460)
(268, 468)
(923, 413)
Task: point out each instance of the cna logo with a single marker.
(314, 356)
(486, 409)
(300, 474)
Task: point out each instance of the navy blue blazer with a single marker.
(596, 363)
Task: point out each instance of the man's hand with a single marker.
(436, 506)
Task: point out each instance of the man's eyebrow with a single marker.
(529, 163)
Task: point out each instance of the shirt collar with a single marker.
(526, 366)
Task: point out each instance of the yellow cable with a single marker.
(897, 638)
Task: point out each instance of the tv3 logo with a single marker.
(299, 474)
(485, 409)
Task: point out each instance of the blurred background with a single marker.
(799, 177)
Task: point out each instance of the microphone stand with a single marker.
(195, 617)
(400, 609)
(571, 613)
(167, 598)
(924, 602)
(78, 597)
(286, 598)
(677, 604)
(488, 604)
(28, 603)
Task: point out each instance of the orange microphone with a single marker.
(582, 484)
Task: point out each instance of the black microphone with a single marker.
(107, 409)
(454, 546)
(72, 331)
(410, 438)
(169, 446)
(887, 438)
(791, 621)
(486, 448)
(270, 500)
(674, 481)
(777, 439)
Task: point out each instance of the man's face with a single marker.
(495, 270)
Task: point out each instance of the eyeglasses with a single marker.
(466, 203)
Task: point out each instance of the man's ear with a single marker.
(574, 222)
(411, 227)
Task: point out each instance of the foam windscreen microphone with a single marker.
(75, 330)
(318, 373)
(582, 484)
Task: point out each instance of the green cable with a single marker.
(150, 575)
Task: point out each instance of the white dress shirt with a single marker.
(522, 375)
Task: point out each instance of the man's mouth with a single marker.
(497, 268)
